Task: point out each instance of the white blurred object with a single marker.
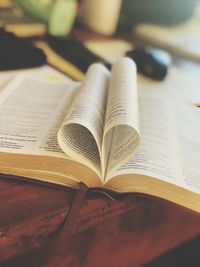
(101, 16)
(182, 40)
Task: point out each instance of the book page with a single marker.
(170, 146)
(121, 130)
(178, 85)
(32, 108)
(81, 133)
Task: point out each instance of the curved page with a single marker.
(80, 135)
(121, 130)
(170, 146)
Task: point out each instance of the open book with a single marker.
(102, 132)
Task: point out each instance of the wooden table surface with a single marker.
(138, 227)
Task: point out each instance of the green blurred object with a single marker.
(58, 14)
(62, 17)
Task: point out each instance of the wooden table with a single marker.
(128, 232)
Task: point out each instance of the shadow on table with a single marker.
(184, 256)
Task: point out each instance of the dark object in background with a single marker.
(151, 62)
(18, 53)
(163, 12)
(74, 51)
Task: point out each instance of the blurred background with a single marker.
(173, 25)
(104, 17)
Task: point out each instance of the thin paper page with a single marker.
(170, 146)
(81, 133)
(177, 85)
(121, 130)
(31, 110)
